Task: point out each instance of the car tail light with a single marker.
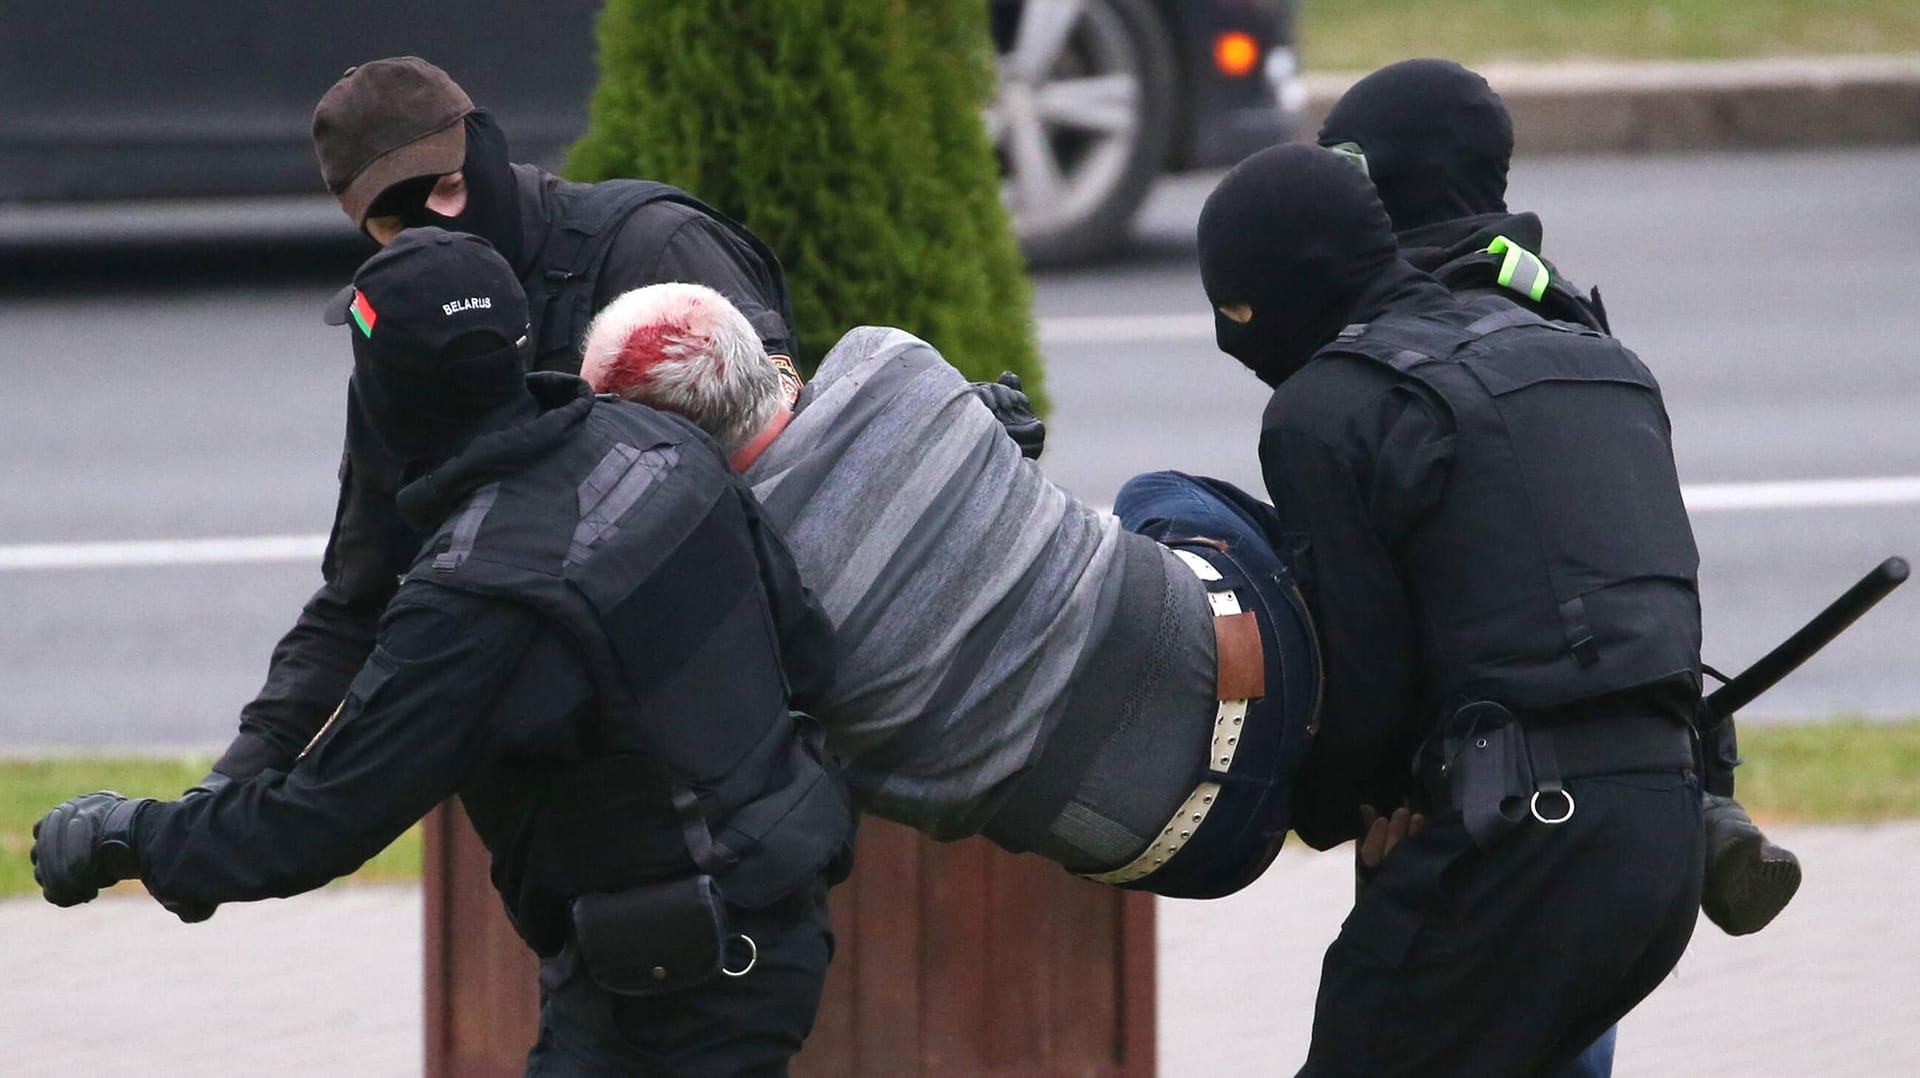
(1236, 53)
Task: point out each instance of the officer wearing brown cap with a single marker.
(402, 145)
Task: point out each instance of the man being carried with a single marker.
(1127, 697)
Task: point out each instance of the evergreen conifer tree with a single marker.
(846, 134)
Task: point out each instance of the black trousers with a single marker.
(748, 1025)
(1511, 960)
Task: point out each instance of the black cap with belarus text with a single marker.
(439, 327)
(424, 290)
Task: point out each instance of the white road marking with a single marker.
(1125, 328)
(1803, 494)
(268, 549)
(141, 553)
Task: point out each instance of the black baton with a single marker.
(1802, 645)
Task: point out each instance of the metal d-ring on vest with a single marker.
(753, 957)
(1533, 806)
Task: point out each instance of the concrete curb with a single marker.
(1591, 107)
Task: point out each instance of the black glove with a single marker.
(84, 845)
(1015, 412)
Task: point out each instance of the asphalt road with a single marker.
(191, 393)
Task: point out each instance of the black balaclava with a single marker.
(493, 199)
(439, 345)
(1436, 138)
(1297, 234)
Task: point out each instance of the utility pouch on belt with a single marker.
(1489, 772)
(652, 939)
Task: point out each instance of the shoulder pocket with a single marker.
(374, 674)
(1548, 353)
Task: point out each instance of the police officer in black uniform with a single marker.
(594, 648)
(401, 145)
(1483, 507)
(1437, 141)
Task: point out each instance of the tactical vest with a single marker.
(560, 286)
(1559, 564)
(1508, 269)
(631, 537)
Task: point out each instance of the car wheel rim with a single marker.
(1067, 118)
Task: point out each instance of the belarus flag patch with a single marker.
(362, 312)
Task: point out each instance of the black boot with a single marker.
(1749, 879)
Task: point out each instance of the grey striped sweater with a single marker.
(969, 594)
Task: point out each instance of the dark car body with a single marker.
(141, 100)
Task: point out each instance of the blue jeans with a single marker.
(1174, 505)
(1596, 1061)
(1234, 534)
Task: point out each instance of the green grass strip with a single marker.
(28, 788)
(1844, 771)
(1342, 35)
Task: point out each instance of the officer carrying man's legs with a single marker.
(593, 648)
(1485, 517)
(1436, 141)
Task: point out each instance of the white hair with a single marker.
(685, 348)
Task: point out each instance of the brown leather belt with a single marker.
(1242, 679)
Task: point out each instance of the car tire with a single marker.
(1082, 120)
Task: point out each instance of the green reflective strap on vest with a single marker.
(1521, 265)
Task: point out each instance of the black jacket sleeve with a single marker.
(413, 724)
(367, 550)
(1353, 460)
(669, 241)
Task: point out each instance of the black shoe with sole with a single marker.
(1749, 879)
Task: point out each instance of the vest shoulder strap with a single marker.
(1409, 343)
(588, 217)
(590, 212)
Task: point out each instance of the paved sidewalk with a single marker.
(1648, 106)
(329, 984)
(1830, 988)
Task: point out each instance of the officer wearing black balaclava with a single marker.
(1436, 140)
(581, 649)
(1272, 315)
(1483, 511)
(486, 197)
(1436, 137)
(401, 145)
